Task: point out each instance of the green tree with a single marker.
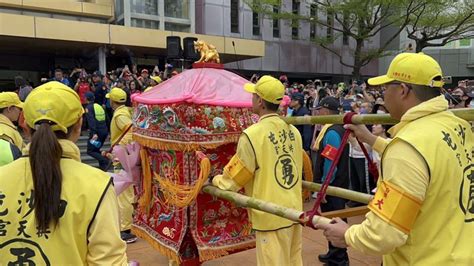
(439, 22)
(356, 20)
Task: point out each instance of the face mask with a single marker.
(471, 105)
(380, 112)
(363, 111)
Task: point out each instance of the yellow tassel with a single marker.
(164, 144)
(211, 253)
(181, 195)
(145, 199)
(308, 175)
(204, 254)
(167, 252)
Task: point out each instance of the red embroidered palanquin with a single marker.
(206, 117)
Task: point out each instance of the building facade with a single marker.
(288, 48)
(37, 36)
(169, 15)
(455, 58)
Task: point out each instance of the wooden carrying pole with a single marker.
(346, 213)
(248, 202)
(340, 192)
(465, 113)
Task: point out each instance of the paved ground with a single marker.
(314, 243)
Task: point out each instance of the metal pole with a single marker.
(339, 192)
(386, 119)
(248, 202)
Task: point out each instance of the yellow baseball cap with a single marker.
(8, 99)
(54, 102)
(157, 79)
(117, 95)
(419, 69)
(268, 88)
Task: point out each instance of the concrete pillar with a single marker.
(102, 58)
(161, 14)
(127, 17)
(192, 15)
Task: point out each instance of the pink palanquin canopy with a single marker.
(204, 109)
(200, 86)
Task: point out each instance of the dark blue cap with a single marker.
(89, 96)
(298, 97)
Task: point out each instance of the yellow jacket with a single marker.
(9, 132)
(420, 213)
(88, 231)
(269, 164)
(121, 119)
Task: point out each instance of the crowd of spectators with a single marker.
(130, 79)
(303, 99)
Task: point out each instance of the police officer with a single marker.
(8, 152)
(98, 131)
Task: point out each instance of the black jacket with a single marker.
(95, 127)
(305, 130)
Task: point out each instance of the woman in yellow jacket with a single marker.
(54, 210)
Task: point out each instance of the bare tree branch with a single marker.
(341, 60)
(440, 22)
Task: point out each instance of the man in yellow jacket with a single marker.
(423, 211)
(269, 165)
(10, 109)
(121, 134)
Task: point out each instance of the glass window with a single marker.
(234, 16)
(145, 23)
(276, 23)
(255, 24)
(149, 7)
(345, 37)
(330, 23)
(177, 9)
(295, 23)
(118, 7)
(313, 18)
(177, 27)
(136, 23)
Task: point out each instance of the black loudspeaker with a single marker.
(173, 46)
(189, 52)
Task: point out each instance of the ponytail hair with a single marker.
(45, 156)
